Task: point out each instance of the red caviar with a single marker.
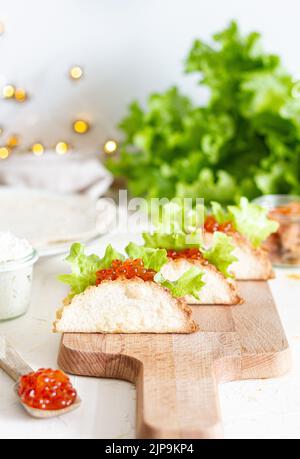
(191, 254)
(211, 225)
(291, 209)
(127, 269)
(47, 389)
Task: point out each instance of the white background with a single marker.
(128, 48)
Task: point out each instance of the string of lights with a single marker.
(11, 93)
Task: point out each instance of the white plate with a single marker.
(51, 222)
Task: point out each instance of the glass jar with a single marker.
(15, 286)
(284, 245)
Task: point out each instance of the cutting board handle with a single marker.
(178, 402)
(177, 392)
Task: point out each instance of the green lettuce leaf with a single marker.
(219, 212)
(84, 267)
(252, 221)
(221, 253)
(244, 141)
(174, 241)
(110, 255)
(211, 186)
(190, 283)
(153, 258)
(177, 216)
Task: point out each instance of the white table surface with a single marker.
(251, 409)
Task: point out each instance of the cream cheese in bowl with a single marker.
(17, 258)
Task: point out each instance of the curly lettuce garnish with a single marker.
(219, 212)
(173, 241)
(221, 253)
(177, 216)
(190, 283)
(249, 219)
(84, 267)
(252, 221)
(153, 259)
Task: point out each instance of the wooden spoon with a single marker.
(15, 367)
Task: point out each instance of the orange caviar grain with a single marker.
(211, 225)
(190, 254)
(127, 269)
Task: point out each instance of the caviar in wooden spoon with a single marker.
(43, 394)
(47, 389)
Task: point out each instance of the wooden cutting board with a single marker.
(177, 376)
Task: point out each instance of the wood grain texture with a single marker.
(177, 376)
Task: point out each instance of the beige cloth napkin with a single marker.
(71, 173)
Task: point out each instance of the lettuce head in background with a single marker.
(244, 142)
